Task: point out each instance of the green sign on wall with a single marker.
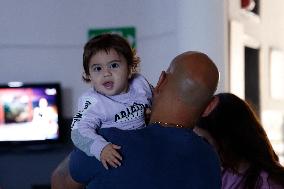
(128, 33)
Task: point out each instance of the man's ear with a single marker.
(211, 106)
(161, 79)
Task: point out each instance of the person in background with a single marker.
(118, 97)
(167, 153)
(247, 157)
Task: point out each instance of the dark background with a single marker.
(30, 167)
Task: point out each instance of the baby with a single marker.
(119, 97)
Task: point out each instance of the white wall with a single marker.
(202, 26)
(42, 41)
(263, 32)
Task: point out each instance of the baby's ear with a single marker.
(130, 74)
(85, 76)
(211, 106)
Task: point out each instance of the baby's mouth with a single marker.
(108, 85)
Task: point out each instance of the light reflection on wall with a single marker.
(276, 74)
(273, 123)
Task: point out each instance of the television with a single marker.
(30, 113)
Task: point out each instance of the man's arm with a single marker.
(61, 179)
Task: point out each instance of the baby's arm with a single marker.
(104, 151)
(85, 137)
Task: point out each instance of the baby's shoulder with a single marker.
(89, 97)
(138, 77)
(139, 80)
(89, 92)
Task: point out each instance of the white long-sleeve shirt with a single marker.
(124, 111)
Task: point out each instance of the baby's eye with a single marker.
(114, 65)
(97, 68)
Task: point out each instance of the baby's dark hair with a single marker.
(106, 42)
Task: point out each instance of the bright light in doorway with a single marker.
(276, 74)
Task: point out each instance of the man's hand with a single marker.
(61, 177)
(110, 156)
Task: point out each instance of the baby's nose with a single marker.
(107, 72)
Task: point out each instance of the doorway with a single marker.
(252, 90)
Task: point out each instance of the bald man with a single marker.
(165, 154)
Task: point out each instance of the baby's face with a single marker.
(109, 73)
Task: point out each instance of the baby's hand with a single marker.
(109, 155)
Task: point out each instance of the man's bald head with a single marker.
(194, 77)
(185, 89)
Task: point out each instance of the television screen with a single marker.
(30, 113)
